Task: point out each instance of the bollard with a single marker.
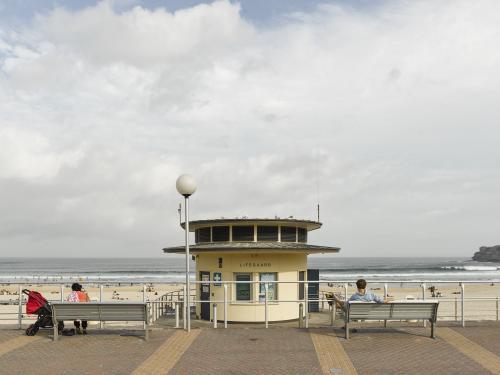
(301, 314)
(306, 307)
(215, 315)
(176, 314)
(225, 305)
(20, 315)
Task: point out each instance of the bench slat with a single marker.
(415, 310)
(99, 311)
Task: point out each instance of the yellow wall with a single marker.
(287, 267)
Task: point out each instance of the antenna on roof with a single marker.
(316, 157)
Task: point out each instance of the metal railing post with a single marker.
(306, 303)
(100, 300)
(333, 313)
(345, 291)
(215, 315)
(385, 291)
(423, 297)
(497, 308)
(144, 300)
(61, 291)
(266, 312)
(225, 305)
(456, 309)
(177, 315)
(184, 308)
(20, 312)
(462, 286)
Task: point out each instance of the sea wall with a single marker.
(487, 254)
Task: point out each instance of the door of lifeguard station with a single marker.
(205, 295)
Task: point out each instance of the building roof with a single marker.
(242, 247)
(309, 224)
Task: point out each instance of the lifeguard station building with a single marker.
(256, 250)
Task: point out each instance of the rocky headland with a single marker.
(487, 254)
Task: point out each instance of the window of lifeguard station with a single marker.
(243, 290)
(267, 233)
(220, 234)
(272, 288)
(288, 234)
(243, 233)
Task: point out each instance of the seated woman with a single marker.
(77, 295)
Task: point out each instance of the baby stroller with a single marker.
(37, 304)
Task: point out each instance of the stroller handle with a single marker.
(26, 291)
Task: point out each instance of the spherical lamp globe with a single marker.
(186, 185)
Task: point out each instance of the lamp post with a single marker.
(186, 186)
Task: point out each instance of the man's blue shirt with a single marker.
(367, 297)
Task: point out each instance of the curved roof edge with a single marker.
(242, 247)
(195, 224)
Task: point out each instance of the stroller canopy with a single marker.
(35, 302)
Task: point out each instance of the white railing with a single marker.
(168, 304)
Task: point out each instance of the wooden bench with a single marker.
(397, 310)
(100, 311)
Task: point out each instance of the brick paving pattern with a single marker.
(250, 351)
(16, 343)
(472, 350)
(91, 354)
(331, 355)
(255, 350)
(483, 335)
(167, 355)
(405, 351)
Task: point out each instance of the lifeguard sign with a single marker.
(217, 277)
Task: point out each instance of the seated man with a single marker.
(363, 295)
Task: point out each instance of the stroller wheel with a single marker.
(32, 330)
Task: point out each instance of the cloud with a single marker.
(387, 116)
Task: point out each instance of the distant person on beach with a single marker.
(363, 295)
(77, 295)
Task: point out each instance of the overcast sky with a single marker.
(387, 112)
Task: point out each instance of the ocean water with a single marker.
(171, 269)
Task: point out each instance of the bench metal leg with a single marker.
(146, 334)
(346, 330)
(432, 330)
(56, 332)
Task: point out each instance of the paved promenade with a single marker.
(474, 349)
